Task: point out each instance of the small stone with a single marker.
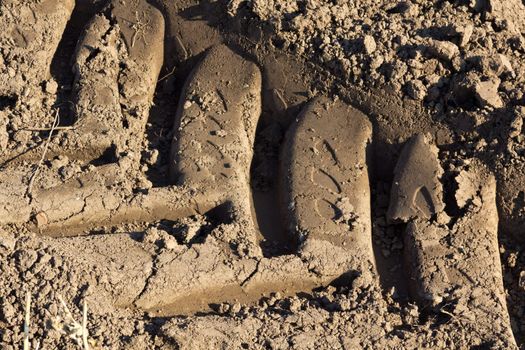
(59, 162)
(494, 65)
(170, 243)
(235, 308)
(187, 104)
(506, 66)
(25, 259)
(151, 235)
(143, 183)
(486, 93)
(224, 308)
(521, 281)
(416, 89)
(377, 62)
(444, 50)
(53, 309)
(516, 127)
(343, 305)
(458, 64)
(443, 218)
(140, 327)
(151, 157)
(51, 87)
(41, 219)
(7, 312)
(465, 33)
(7, 241)
(295, 305)
(412, 10)
(369, 44)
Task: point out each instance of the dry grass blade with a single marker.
(49, 129)
(41, 161)
(69, 327)
(26, 320)
(84, 326)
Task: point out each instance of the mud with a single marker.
(262, 174)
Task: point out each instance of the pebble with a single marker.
(416, 89)
(486, 93)
(444, 50)
(224, 308)
(151, 235)
(235, 308)
(369, 44)
(187, 104)
(7, 241)
(465, 33)
(169, 242)
(7, 312)
(516, 127)
(25, 259)
(151, 157)
(51, 87)
(143, 183)
(59, 162)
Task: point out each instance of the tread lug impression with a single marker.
(326, 188)
(454, 263)
(215, 130)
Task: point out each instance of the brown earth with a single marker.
(263, 174)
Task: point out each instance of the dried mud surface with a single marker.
(263, 174)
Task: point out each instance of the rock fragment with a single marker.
(416, 89)
(486, 93)
(4, 136)
(444, 50)
(51, 86)
(465, 33)
(509, 13)
(494, 65)
(516, 126)
(369, 44)
(7, 241)
(461, 32)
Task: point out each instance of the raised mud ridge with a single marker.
(323, 177)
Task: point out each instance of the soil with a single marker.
(263, 174)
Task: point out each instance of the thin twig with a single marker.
(84, 326)
(168, 75)
(49, 129)
(46, 147)
(26, 320)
